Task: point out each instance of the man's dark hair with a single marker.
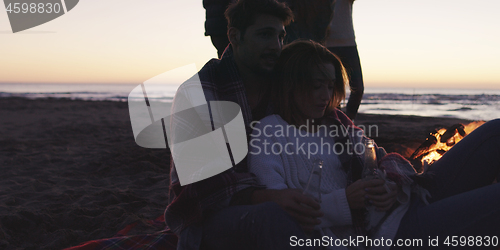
(243, 13)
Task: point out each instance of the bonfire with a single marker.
(438, 143)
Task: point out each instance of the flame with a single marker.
(434, 148)
(473, 125)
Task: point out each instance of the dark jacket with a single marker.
(312, 18)
(215, 21)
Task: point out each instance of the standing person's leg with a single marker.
(263, 226)
(350, 58)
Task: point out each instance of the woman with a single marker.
(307, 127)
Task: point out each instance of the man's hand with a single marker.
(301, 207)
(380, 198)
(358, 192)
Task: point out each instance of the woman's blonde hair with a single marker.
(294, 70)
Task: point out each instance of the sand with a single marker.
(71, 171)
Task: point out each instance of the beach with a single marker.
(72, 172)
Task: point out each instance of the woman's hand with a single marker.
(380, 198)
(301, 207)
(357, 192)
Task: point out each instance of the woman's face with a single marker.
(313, 105)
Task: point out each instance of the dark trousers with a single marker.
(464, 201)
(263, 226)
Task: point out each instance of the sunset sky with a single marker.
(402, 43)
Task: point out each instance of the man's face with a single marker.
(260, 47)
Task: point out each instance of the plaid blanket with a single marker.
(188, 204)
(164, 239)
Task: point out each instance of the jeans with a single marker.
(263, 226)
(464, 201)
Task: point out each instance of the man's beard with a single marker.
(263, 70)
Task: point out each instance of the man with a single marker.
(230, 210)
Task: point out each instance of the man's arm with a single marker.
(301, 207)
(188, 204)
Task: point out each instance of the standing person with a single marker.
(216, 23)
(312, 19)
(341, 41)
(230, 210)
(307, 127)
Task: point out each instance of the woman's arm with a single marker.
(269, 169)
(267, 166)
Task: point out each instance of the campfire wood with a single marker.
(438, 143)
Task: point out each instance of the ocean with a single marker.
(471, 104)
